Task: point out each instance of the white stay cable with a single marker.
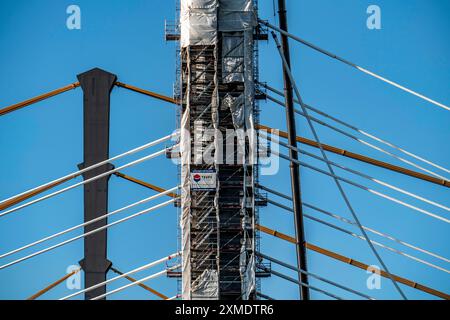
(337, 217)
(363, 142)
(130, 164)
(379, 244)
(153, 276)
(350, 222)
(362, 238)
(352, 127)
(385, 184)
(88, 222)
(351, 64)
(333, 283)
(382, 195)
(77, 173)
(139, 269)
(285, 277)
(87, 234)
(330, 168)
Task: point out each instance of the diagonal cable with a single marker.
(330, 168)
(107, 173)
(137, 282)
(353, 65)
(60, 244)
(72, 175)
(354, 128)
(139, 269)
(352, 223)
(84, 224)
(361, 174)
(370, 145)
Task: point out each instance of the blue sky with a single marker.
(43, 142)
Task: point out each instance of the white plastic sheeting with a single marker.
(249, 279)
(200, 23)
(236, 5)
(236, 15)
(233, 57)
(236, 106)
(249, 94)
(185, 221)
(200, 20)
(206, 286)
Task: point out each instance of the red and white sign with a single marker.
(203, 180)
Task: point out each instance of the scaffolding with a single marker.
(218, 112)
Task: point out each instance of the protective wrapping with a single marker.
(233, 58)
(198, 22)
(185, 221)
(206, 286)
(249, 94)
(236, 5)
(248, 274)
(236, 15)
(249, 281)
(236, 106)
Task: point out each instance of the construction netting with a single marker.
(202, 22)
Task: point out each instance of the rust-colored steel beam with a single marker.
(276, 234)
(16, 200)
(354, 263)
(44, 96)
(54, 284)
(159, 294)
(362, 158)
(145, 184)
(147, 92)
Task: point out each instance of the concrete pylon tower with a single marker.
(218, 157)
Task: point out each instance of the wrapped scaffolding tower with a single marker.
(218, 161)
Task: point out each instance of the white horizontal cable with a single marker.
(288, 72)
(77, 173)
(351, 64)
(381, 182)
(130, 164)
(86, 234)
(178, 296)
(279, 274)
(361, 237)
(264, 296)
(365, 188)
(390, 144)
(139, 269)
(402, 88)
(286, 265)
(134, 283)
(88, 222)
(380, 245)
(350, 222)
(362, 141)
(386, 236)
(385, 184)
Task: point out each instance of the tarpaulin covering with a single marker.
(201, 22)
(198, 22)
(185, 221)
(206, 286)
(236, 15)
